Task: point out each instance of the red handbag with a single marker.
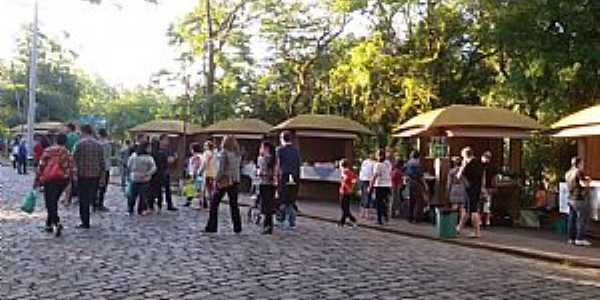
(53, 170)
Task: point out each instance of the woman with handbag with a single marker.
(54, 173)
(267, 178)
(227, 182)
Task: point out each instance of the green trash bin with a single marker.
(445, 223)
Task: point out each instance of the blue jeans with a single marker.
(578, 214)
(288, 195)
(366, 198)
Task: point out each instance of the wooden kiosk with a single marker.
(180, 136)
(44, 128)
(323, 140)
(584, 127)
(442, 133)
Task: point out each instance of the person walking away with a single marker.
(38, 149)
(397, 187)
(267, 183)
(142, 168)
(382, 184)
(89, 163)
(472, 171)
(288, 158)
(124, 158)
(15, 154)
(22, 157)
(171, 158)
(154, 186)
(227, 182)
(365, 176)
(209, 167)
(417, 187)
(346, 189)
(54, 173)
(578, 185)
(457, 190)
(487, 190)
(72, 140)
(105, 177)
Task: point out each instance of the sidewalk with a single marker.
(530, 243)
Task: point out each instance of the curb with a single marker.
(513, 251)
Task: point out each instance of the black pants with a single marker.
(141, 190)
(267, 199)
(15, 161)
(232, 194)
(88, 191)
(166, 184)
(103, 186)
(52, 192)
(381, 196)
(22, 165)
(154, 194)
(415, 201)
(345, 202)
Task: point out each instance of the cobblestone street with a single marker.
(168, 257)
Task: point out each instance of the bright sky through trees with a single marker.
(124, 43)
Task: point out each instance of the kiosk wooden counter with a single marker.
(323, 140)
(584, 127)
(443, 133)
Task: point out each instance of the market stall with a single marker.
(442, 133)
(249, 134)
(50, 129)
(175, 129)
(323, 140)
(584, 127)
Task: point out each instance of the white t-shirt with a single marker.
(366, 170)
(209, 164)
(383, 170)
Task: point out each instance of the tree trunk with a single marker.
(210, 75)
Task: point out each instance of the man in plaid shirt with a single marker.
(89, 162)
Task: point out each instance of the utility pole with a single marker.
(32, 79)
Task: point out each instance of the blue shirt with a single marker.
(289, 160)
(413, 169)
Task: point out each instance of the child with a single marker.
(195, 172)
(346, 189)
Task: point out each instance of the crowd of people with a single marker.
(79, 162)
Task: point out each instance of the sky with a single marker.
(123, 41)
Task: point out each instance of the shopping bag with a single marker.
(29, 202)
(128, 189)
(189, 190)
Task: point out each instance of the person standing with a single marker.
(105, 177)
(124, 156)
(288, 158)
(382, 184)
(54, 173)
(195, 173)
(365, 176)
(154, 186)
(22, 157)
(472, 171)
(209, 167)
(348, 179)
(417, 187)
(142, 168)
(89, 163)
(15, 154)
(168, 159)
(487, 188)
(457, 189)
(267, 183)
(397, 187)
(578, 192)
(227, 182)
(72, 137)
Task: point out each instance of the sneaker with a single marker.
(58, 229)
(187, 204)
(48, 229)
(82, 226)
(103, 209)
(582, 243)
(172, 209)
